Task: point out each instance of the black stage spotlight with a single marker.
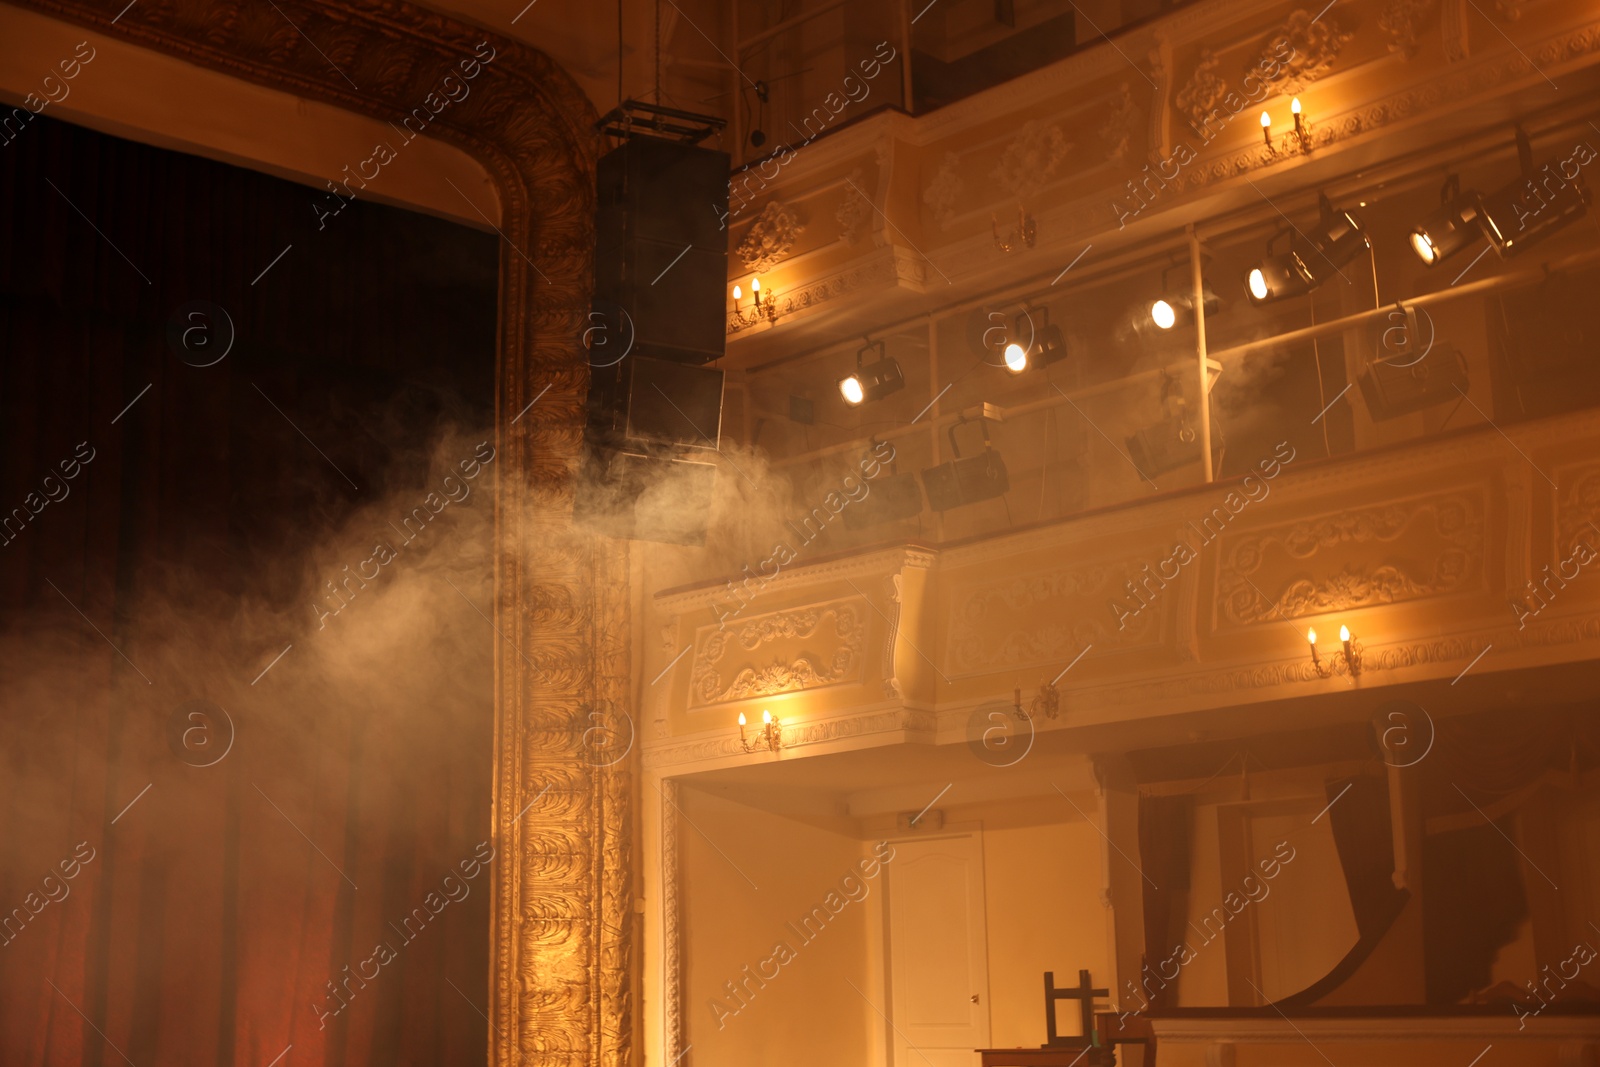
(966, 479)
(1175, 306)
(1536, 205)
(1310, 260)
(1045, 344)
(1451, 228)
(871, 381)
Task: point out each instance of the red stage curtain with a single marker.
(154, 909)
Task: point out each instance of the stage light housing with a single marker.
(1175, 308)
(1052, 345)
(1532, 208)
(1045, 343)
(872, 381)
(1308, 261)
(1452, 227)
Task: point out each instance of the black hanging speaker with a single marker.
(966, 480)
(660, 266)
(653, 403)
(1397, 387)
(661, 245)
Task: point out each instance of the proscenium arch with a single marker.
(562, 924)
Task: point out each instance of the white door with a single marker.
(938, 953)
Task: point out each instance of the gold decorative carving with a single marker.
(945, 189)
(1401, 21)
(1443, 549)
(794, 666)
(1578, 511)
(771, 237)
(1315, 43)
(560, 984)
(1203, 91)
(852, 211)
(1031, 159)
(1116, 132)
(672, 924)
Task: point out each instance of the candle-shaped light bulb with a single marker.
(1299, 123)
(1344, 633)
(1294, 105)
(1311, 636)
(737, 293)
(755, 284)
(1311, 639)
(766, 718)
(741, 718)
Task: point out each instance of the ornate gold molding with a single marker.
(563, 944)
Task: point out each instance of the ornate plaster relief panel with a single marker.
(1341, 559)
(1133, 628)
(780, 652)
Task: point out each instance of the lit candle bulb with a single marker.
(1294, 107)
(737, 293)
(1311, 638)
(1344, 636)
(755, 289)
(766, 718)
(1266, 128)
(741, 718)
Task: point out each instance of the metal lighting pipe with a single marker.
(1485, 285)
(1214, 359)
(940, 421)
(1200, 352)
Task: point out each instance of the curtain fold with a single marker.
(1165, 832)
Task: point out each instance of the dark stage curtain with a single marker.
(239, 750)
(1165, 831)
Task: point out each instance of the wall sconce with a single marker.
(770, 736)
(1046, 702)
(1298, 138)
(1025, 233)
(1349, 654)
(763, 306)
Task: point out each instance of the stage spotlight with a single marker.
(871, 381)
(1174, 308)
(1534, 206)
(1037, 342)
(1309, 260)
(1052, 346)
(1175, 304)
(966, 479)
(1452, 227)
